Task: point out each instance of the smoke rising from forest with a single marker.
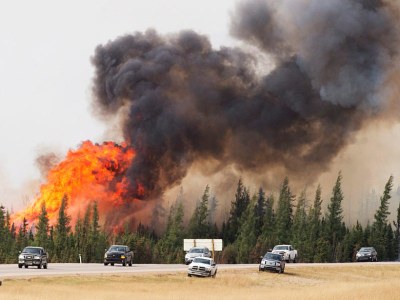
(182, 102)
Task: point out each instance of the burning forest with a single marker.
(180, 101)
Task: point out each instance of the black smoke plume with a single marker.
(187, 102)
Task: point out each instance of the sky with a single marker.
(46, 74)
(46, 77)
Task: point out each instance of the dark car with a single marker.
(33, 256)
(272, 262)
(367, 254)
(118, 254)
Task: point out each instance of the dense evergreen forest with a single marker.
(255, 224)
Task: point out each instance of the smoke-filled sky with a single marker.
(185, 98)
(46, 73)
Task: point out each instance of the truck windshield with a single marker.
(202, 261)
(281, 248)
(272, 256)
(31, 250)
(365, 249)
(117, 248)
(196, 250)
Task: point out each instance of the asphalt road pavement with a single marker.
(56, 269)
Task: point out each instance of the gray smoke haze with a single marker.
(186, 102)
(45, 162)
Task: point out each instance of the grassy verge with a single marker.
(341, 282)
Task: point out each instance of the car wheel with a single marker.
(106, 264)
(45, 266)
(215, 274)
(294, 260)
(112, 264)
(189, 275)
(124, 263)
(20, 266)
(39, 265)
(26, 267)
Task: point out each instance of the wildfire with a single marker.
(91, 173)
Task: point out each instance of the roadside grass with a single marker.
(330, 282)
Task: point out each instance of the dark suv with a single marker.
(33, 256)
(367, 254)
(118, 254)
(272, 262)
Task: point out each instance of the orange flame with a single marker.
(91, 173)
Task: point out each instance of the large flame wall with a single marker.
(91, 173)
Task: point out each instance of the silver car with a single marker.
(203, 266)
(196, 252)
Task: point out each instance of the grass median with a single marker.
(331, 282)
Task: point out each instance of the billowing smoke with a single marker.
(185, 102)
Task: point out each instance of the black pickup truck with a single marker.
(118, 254)
(33, 256)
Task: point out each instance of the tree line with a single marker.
(255, 224)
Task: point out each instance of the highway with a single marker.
(61, 269)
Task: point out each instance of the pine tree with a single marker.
(247, 233)
(314, 223)
(300, 226)
(3, 235)
(334, 218)
(381, 215)
(259, 211)
(213, 209)
(198, 224)
(238, 207)
(284, 213)
(41, 238)
(61, 232)
(397, 233)
(22, 238)
(9, 250)
(95, 237)
(86, 246)
(171, 243)
(267, 238)
(380, 232)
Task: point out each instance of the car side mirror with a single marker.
(213, 264)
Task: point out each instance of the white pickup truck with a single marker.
(287, 251)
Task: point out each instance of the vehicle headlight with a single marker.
(21, 257)
(277, 263)
(263, 262)
(122, 256)
(105, 255)
(358, 254)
